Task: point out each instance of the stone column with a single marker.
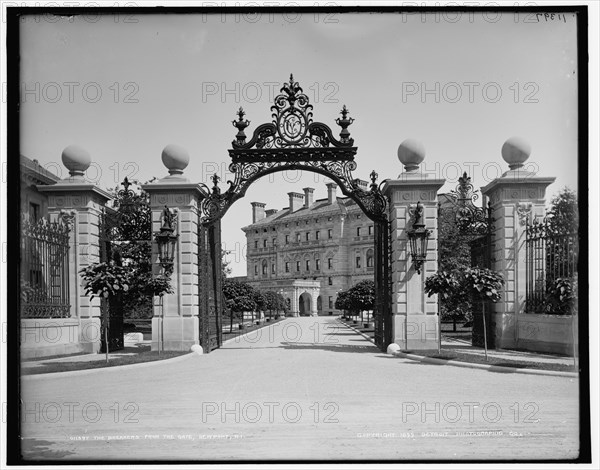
(295, 304)
(80, 204)
(313, 304)
(415, 315)
(175, 325)
(515, 197)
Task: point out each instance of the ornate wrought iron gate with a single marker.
(472, 227)
(112, 309)
(211, 301)
(291, 141)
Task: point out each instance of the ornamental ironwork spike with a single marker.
(374, 177)
(240, 125)
(215, 179)
(344, 123)
(126, 184)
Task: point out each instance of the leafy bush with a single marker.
(104, 280)
(561, 297)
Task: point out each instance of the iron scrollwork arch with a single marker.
(461, 212)
(293, 141)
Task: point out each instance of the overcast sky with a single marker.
(125, 87)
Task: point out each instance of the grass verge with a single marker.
(145, 356)
(454, 356)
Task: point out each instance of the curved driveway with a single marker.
(305, 388)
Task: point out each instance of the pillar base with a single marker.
(420, 332)
(505, 330)
(175, 333)
(90, 334)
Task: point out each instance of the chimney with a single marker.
(258, 211)
(308, 196)
(295, 201)
(270, 212)
(331, 196)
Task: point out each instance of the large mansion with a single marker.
(310, 250)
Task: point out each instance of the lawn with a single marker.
(144, 356)
(456, 356)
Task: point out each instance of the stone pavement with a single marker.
(305, 388)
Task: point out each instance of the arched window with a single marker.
(319, 303)
(369, 258)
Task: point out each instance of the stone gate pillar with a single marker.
(175, 325)
(80, 204)
(515, 197)
(415, 316)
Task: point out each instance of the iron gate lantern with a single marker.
(166, 240)
(418, 237)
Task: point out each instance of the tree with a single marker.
(239, 297)
(454, 255)
(131, 243)
(274, 301)
(342, 302)
(484, 284)
(358, 298)
(564, 210)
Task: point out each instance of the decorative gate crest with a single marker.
(292, 141)
(469, 219)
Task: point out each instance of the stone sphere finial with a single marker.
(175, 158)
(515, 152)
(411, 153)
(77, 160)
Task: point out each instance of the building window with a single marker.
(274, 241)
(34, 212)
(317, 235)
(256, 269)
(298, 237)
(256, 231)
(369, 258)
(307, 236)
(308, 265)
(330, 233)
(317, 264)
(287, 239)
(287, 225)
(370, 230)
(297, 266)
(297, 223)
(358, 231)
(265, 243)
(255, 243)
(287, 266)
(329, 218)
(272, 269)
(329, 263)
(330, 281)
(358, 216)
(264, 267)
(330, 302)
(358, 261)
